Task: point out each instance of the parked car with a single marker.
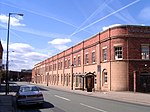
(29, 94)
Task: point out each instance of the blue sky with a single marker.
(51, 26)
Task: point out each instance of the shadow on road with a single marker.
(39, 108)
(45, 105)
(41, 89)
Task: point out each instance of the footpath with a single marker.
(6, 103)
(125, 96)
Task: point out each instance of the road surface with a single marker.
(60, 101)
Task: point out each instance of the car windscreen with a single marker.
(26, 89)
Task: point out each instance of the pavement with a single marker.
(122, 96)
(6, 103)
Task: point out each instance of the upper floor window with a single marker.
(49, 67)
(79, 61)
(68, 62)
(93, 57)
(118, 53)
(105, 54)
(65, 63)
(145, 52)
(74, 61)
(55, 66)
(60, 65)
(87, 58)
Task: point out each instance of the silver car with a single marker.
(29, 94)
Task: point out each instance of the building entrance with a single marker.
(145, 82)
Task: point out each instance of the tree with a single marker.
(2, 74)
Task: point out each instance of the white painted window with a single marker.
(74, 61)
(86, 58)
(105, 54)
(105, 77)
(118, 53)
(79, 61)
(145, 52)
(93, 57)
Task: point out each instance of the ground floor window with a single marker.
(105, 77)
(77, 81)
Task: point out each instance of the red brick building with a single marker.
(117, 59)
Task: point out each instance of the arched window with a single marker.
(105, 76)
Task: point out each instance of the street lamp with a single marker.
(7, 85)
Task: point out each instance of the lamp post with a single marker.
(72, 76)
(7, 84)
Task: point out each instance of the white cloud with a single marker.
(14, 21)
(107, 27)
(21, 47)
(61, 47)
(144, 14)
(23, 57)
(59, 41)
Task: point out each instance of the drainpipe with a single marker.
(127, 59)
(134, 76)
(83, 65)
(99, 64)
(110, 56)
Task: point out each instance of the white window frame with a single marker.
(94, 60)
(105, 76)
(79, 64)
(86, 58)
(104, 48)
(145, 52)
(68, 62)
(118, 51)
(74, 61)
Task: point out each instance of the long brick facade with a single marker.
(118, 58)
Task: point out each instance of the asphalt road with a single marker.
(60, 101)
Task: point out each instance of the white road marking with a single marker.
(93, 107)
(62, 98)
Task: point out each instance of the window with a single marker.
(65, 63)
(74, 61)
(105, 54)
(118, 53)
(61, 78)
(145, 52)
(55, 66)
(60, 65)
(68, 62)
(87, 58)
(79, 61)
(93, 57)
(49, 67)
(105, 76)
